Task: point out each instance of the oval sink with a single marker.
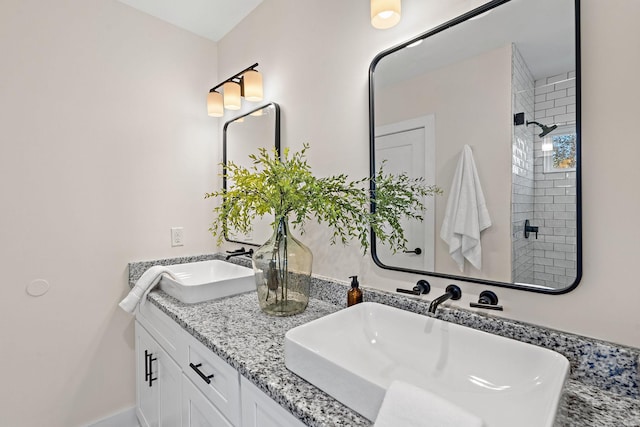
(356, 353)
(206, 280)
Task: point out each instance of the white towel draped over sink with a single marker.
(466, 215)
(143, 286)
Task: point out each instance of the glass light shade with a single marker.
(231, 95)
(252, 81)
(214, 104)
(385, 13)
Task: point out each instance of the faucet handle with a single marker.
(421, 287)
(488, 300)
(236, 251)
(407, 291)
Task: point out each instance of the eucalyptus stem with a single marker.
(285, 267)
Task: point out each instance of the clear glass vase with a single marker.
(282, 269)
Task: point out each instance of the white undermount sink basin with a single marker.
(354, 355)
(206, 280)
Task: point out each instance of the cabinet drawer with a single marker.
(219, 382)
(164, 329)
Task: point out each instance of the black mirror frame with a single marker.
(372, 164)
(224, 153)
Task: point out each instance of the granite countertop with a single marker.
(252, 342)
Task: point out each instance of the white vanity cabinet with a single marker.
(158, 383)
(180, 382)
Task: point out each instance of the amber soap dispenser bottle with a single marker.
(354, 296)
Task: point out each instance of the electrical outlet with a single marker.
(177, 236)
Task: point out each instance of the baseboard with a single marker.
(126, 418)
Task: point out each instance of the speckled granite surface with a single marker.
(602, 389)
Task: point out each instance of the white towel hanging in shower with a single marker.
(466, 215)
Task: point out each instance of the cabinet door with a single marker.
(147, 396)
(197, 410)
(158, 383)
(259, 410)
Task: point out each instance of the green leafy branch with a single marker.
(287, 189)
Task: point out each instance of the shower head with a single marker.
(545, 129)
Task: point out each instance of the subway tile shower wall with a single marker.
(555, 192)
(547, 199)
(522, 205)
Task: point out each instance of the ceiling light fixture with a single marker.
(385, 13)
(247, 83)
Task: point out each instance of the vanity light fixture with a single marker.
(385, 13)
(247, 83)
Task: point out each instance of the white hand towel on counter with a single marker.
(466, 214)
(406, 405)
(145, 283)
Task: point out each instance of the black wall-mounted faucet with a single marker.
(239, 252)
(452, 292)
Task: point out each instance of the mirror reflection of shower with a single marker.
(546, 130)
(544, 175)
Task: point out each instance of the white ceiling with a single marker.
(211, 19)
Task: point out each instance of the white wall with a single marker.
(105, 145)
(315, 58)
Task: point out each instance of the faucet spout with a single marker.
(452, 292)
(239, 252)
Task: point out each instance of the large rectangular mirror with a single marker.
(503, 81)
(242, 136)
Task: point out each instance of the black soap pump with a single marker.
(354, 296)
